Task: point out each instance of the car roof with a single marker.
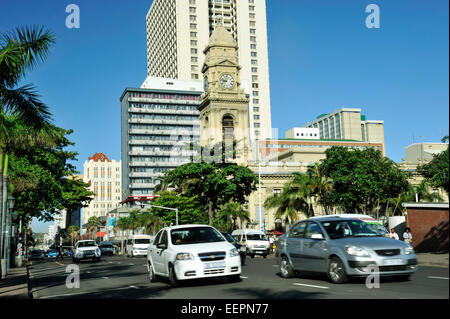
(187, 226)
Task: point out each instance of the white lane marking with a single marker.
(244, 277)
(105, 277)
(313, 286)
(275, 266)
(445, 278)
(130, 264)
(134, 287)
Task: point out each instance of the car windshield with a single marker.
(142, 241)
(195, 235)
(86, 244)
(349, 228)
(36, 252)
(256, 237)
(229, 237)
(107, 246)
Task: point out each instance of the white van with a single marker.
(255, 241)
(137, 245)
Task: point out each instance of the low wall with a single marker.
(429, 228)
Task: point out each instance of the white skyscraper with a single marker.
(178, 31)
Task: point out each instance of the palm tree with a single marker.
(231, 213)
(20, 51)
(321, 185)
(74, 232)
(286, 204)
(150, 222)
(93, 223)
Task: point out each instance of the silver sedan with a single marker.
(343, 247)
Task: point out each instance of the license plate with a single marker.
(220, 264)
(259, 252)
(393, 262)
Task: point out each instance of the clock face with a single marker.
(227, 81)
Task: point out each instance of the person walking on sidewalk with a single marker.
(407, 236)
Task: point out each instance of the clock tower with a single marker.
(224, 105)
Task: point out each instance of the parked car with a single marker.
(107, 248)
(137, 245)
(255, 241)
(36, 254)
(342, 248)
(86, 249)
(52, 253)
(191, 252)
(242, 250)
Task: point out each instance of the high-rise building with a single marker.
(158, 121)
(348, 124)
(104, 178)
(178, 32)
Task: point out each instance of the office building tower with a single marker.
(178, 31)
(159, 121)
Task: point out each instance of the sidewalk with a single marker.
(433, 259)
(15, 284)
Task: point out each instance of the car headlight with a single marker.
(234, 252)
(409, 250)
(185, 256)
(357, 251)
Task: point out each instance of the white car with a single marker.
(86, 249)
(191, 252)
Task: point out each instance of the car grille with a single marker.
(87, 252)
(212, 256)
(388, 252)
(392, 268)
(214, 271)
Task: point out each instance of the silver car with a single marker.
(343, 247)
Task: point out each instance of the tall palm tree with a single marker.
(93, 223)
(231, 213)
(20, 52)
(287, 205)
(149, 222)
(321, 185)
(74, 232)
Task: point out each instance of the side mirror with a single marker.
(161, 246)
(317, 236)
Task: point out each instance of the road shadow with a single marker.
(267, 293)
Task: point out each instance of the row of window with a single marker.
(163, 107)
(166, 96)
(162, 127)
(164, 117)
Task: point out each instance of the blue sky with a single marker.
(321, 58)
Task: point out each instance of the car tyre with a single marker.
(285, 268)
(234, 278)
(173, 280)
(151, 274)
(336, 271)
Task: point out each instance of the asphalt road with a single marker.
(126, 278)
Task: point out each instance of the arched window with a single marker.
(227, 128)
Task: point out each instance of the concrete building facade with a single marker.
(348, 124)
(178, 31)
(104, 178)
(158, 121)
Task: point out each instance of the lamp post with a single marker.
(11, 202)
(168, 208)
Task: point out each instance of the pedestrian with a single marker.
(407, 236)
(60, 253)
(393, 234)
(271, 243)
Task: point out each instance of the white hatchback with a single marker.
(192, 252)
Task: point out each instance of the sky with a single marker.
(322, 57)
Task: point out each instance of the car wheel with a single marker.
(286, 269)
(234, 278)
(265, 256)
(151, 274)
(173, 281)
(253, 256)
(336, 271)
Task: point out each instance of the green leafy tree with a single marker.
(93, 224)
(73, 232)
(362, 178)
(287, 205)
(190, 209)
(437, 170)
(213, 184)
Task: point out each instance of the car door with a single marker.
(313, 249)
(294, 244)
(158, 256)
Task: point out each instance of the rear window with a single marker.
(142, 241)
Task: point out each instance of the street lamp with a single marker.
(168, 208)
